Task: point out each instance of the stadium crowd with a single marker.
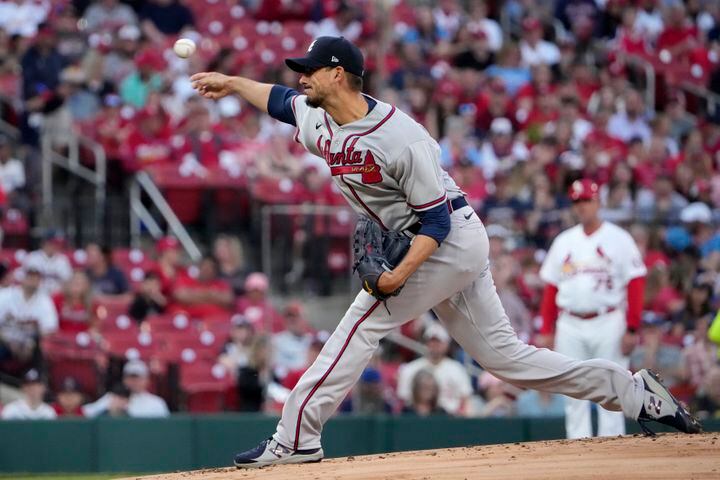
(520, 111)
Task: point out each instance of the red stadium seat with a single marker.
(117, 324)
(132, 346)
(73, 355)
(205, 385)
(169, 323)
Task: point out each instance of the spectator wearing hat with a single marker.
(108, 16)
(136, 87)
(697, 219)
(50, 261)
(69, 399)
(141, 404)
(256, 305)
(148, 299)
(116, 60)
(500, 152)
(136, 377)
(26, 315)
(31, 406)
(369, 394)
(149, 141)
(291, 345)
(534, 49)
(204, 296)
(454, 381)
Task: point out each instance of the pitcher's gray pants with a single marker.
(456, 283)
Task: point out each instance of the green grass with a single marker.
(63, 476)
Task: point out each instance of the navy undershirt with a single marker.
(435, 222)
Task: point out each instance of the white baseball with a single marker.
(184, 47)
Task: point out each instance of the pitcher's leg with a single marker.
(324, 385)
(476, 319)
(570, 341)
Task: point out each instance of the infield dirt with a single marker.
(667, 456)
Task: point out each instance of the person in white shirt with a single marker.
(12, 171)
(479, 20)
(631, 122)
(453, 379)
(500, 152)
(49, 260)
(31, 406)
(649, 21)
(142, 404)
(533, 49)
(26, 314)
(290, 346)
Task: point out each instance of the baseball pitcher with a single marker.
(420, 247)
(595, 278)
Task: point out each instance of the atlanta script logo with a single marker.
(351, 161)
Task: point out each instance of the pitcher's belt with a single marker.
(452, 205)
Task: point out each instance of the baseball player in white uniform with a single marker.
(595, 278)
(387, 167)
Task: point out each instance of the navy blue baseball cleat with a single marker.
(270, 452)
(659, 405)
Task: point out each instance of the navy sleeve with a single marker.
(435, 222)
(280, 104)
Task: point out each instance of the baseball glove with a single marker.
(375, 252)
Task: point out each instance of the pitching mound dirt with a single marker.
(667, 456)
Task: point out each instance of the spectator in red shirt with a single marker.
(75, 306)
(256, 306)
(200, 145)
(149, 142)
(206, 295)
(679, 37)
(69, 399)
(169, 268)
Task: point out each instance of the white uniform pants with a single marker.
(456, 283)
(599, 337)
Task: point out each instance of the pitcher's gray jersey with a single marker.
(386, 164)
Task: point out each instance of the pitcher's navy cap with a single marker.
(329, 52)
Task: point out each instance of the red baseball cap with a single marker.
(167, 243)
(583, 189)
(531, 23)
